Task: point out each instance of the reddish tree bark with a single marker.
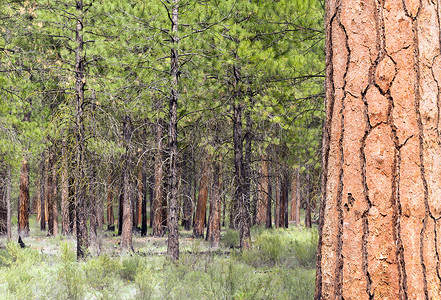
(23, 214)
(295, 198)
(379, 230)
(201, 207)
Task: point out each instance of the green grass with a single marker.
(280, 265)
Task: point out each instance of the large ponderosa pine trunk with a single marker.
(379, 230)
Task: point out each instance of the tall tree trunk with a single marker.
(121, 206)
(214, 219)
(199, 219)
(158, 202)
(380, 209)
(173, 234)
(309, 195)
(93, 212)
(127, 222)
(65, 228)
(23, 217)
(80, 139)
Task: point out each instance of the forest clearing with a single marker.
(280, 266)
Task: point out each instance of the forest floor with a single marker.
(280, 265)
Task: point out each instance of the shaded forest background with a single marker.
(134, 116)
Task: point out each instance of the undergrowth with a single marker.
(280, 265)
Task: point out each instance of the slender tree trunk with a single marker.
(50, 197)
(158, 202)
(146, 187)
(127, 222)
(247, 168)
(80, 83)
(199, 220)
(93, 212)
(23, 218)
(215, 208)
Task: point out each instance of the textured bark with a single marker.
(214, 219)
(23, 206)
(158, 202)
(127, 222)
(381, 156)
(201, 206)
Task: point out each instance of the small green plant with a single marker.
(145, 284)
(130, 266)
(69, 272)
(230, 238)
